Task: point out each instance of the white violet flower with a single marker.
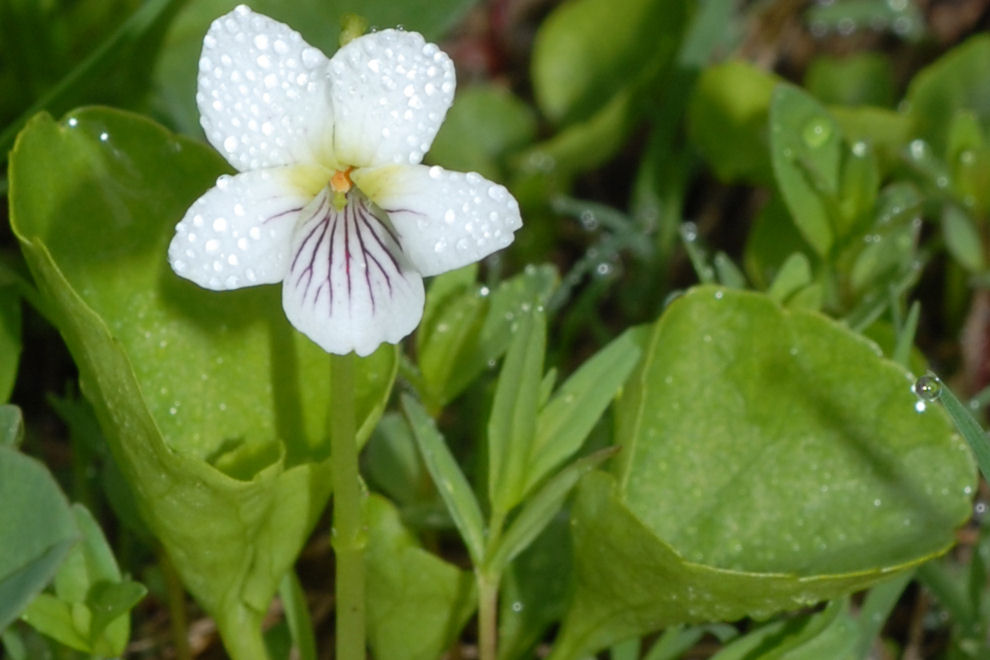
(330, 197)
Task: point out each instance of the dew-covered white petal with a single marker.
(349, 286)
(444, 219)
(391, 91)
(263, 93)
(237, 234)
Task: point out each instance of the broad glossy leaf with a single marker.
(727, 120)
(213, 406)
(587, 50)
(37, 526)
(10, 339)
(959, 80)
(771, 459)
(805, 148)
(417, 603)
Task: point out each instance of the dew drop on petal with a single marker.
(311, 57)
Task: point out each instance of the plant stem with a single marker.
(487, 615)
(240, 630)
(348, 529)
(176, 599)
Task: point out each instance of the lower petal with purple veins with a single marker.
(349, 285)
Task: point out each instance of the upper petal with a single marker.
(263, 96)
(349, 286)
(444, 219)
(237, 234)
(391, 91)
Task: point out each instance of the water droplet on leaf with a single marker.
(928, 388)
(816, 132)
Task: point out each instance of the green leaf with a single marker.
(512, 422)
(466, 326)
(771, 242)
(587, 50)
(214, 408)
(417, 603)
(11, 426)
(37, 527)
(830, 633)
(962, 238)
(451, 483)
(805, 147)
(727, 120)
(535, 590)
(858, 187)
(888, 251)
(56, 618)
(10, 339)
(794, 274)
(539, 509)
(392, 461)
(857, 79)
(565, 422)
(89, 608)
(959, 80)
(583, 145)
(771, 459)
(462, 145)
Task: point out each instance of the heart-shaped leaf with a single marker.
(214, 407)
(771, 459)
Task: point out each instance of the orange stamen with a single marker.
(341, 180)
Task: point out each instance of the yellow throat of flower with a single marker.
(341, 184)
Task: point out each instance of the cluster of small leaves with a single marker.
(741, 449)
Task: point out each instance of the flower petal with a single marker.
(349, 286)
(237, 234)
(444, 219)
(262, 94)
(391, 91)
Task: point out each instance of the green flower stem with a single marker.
(348, 528)
(487, 615)
(488, 579)
(240, 630)
(176, 599)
